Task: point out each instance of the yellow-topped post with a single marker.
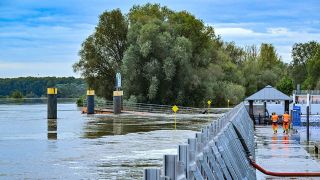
(117, 98)
(90, 101)
(52, 102)
(52, 91)
(175, 110)
(228, 103)
(209, 104)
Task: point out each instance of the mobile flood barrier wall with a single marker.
(219, 151)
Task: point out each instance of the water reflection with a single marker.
(296, 137)
(97, 127)
(117, 127)
(52, 129)
(301, 134)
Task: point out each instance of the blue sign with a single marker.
(118, 80)
(296, 117)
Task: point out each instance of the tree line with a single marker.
(171, 57)
(35, 87)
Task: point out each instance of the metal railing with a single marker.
(156, 108)
(219, 151)
(302, 92)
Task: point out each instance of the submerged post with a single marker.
(90, 101)
(52, 103)
(52, 129)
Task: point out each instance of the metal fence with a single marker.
(219, 151)
(156, 108)
(304, 92)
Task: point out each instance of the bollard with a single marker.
(52, 129)
(308, 123)
(170, 163)
(117, 95)
(52, 103)
(151, 174)
(90, 101)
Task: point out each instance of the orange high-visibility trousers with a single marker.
(285, 125)
(274, 126)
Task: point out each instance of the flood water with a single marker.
(79, 146)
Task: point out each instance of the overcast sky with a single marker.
(43, 37)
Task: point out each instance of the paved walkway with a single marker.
(282, 153)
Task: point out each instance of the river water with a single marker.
(80, 146)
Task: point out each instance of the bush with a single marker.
(16, 94)
(80, 101)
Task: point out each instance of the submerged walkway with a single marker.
(281, 153)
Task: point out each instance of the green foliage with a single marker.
(235, 93)
(285, 85)
(268, 57)
(305, 66)
(101, 53)
(132, 99)
(16, 94)
(165, 51)
(261, 68)
(300, 69)
(80, 101)
(170, 57)
(35, 87)
(71, 90)
(313, 69)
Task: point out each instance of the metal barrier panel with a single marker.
(219, 151)
(153, 174)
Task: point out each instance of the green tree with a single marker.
(285, 85)
(268, 57)
(261, 68)
(166, 52)
(301, 53)
(102, 52)
(171, 57)
(313, 68)
(16, 94)
(32, 87)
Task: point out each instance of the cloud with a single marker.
(52, 31)
(281, 37)
(278, 31)
(43, 43)
(234, 32)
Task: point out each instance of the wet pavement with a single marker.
(282, 153)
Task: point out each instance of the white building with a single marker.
(303, 98)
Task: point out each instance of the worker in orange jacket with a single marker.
(286, 121)
(274, 119)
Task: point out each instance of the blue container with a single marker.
(296, 117)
